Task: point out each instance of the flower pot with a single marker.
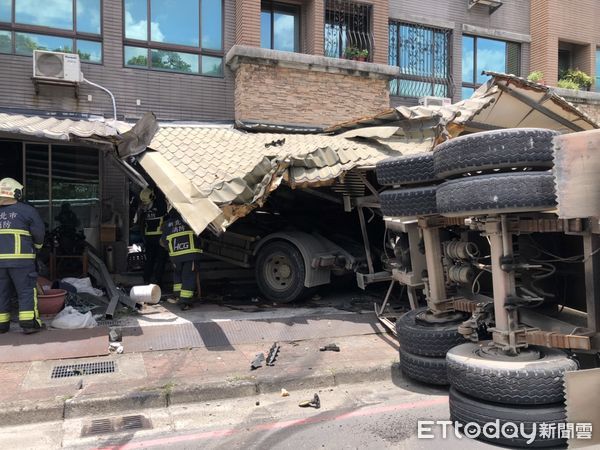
(362, 58)
(51, 301)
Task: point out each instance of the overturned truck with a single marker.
(499, 229)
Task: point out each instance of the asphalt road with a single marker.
(369, 416)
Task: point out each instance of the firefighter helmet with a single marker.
(147, 196)
(11, 188)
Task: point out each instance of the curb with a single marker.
(20, 413)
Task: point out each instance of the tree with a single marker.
(170, 61)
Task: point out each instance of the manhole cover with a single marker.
(115, 425)
(75, 370)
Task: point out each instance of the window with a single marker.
(423, 56)
(184, 36)
(54, 175)
(72, 26)
(348, 32)
(479, 54)
(279, 29)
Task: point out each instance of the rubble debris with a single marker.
(273, 352)
(115, 347)
(258, 361)
(314, 403)
(329, 348)
(115, 335)
(284, 393)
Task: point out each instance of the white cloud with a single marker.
(53, 12)
(139, 29)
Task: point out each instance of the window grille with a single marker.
(348, 30)
(423, 55)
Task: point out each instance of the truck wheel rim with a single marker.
(278, 272)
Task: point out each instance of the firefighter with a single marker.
(184, 252)
(21, 234)
(153, 212)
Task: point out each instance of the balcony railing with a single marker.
(348, 30)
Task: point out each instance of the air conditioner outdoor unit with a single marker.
(435, 101)
(56, 66)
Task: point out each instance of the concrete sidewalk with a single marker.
(29, 394)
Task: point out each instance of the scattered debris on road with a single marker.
(273, 352)
(258, 361)
(314, 403)
(284, 393)
(330, 348)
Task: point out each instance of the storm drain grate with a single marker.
(115, 425)
(75, 370)
(100, 426)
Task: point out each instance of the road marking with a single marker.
(279, 425)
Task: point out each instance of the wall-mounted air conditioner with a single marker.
(435, 101)
(56, 66)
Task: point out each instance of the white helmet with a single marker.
(11, 188)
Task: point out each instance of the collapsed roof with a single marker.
(215, 175)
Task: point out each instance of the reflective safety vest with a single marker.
(180, 239)
(154, 218)
(153, 225)
(21, 233)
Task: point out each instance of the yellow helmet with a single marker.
(11, 188)
(147, 196)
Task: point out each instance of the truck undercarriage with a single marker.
(509, 281)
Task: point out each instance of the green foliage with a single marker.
(568, 84)
(169, 61)
(356, 53)
(536, 76)
(351, 52)
(577, 77)
(5, 44)
(140, 60)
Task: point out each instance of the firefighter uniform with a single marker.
(154, 210)
(184, 251)
(21, 233)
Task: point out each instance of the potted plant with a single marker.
(536, 76)
(351, 53)
(575, 79)
(363, 55)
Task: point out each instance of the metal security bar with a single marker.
(424, 56)
(348, 30)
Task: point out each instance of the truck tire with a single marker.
(465, 409)
(427, 339)
(518, 382)
(493, 150)
(423, 368)
(419, 201)
(405, 170)
(280, 272)
(498, 193)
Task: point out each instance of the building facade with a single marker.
(305, 64)
(299, 62)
